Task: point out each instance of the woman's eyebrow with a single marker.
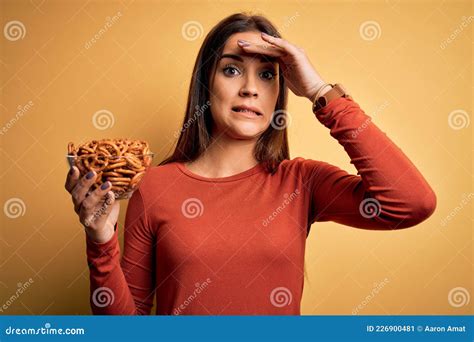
(263, 58)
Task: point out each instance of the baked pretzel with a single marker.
(122, 162)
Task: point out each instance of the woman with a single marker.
(220, 226)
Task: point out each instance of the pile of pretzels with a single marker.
(122, 162)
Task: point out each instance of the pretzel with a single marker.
(122, 162)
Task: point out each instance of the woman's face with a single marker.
(243, 80)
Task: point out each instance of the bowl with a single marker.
(122, 162)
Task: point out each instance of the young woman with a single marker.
(219, 228)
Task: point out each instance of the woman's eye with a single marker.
(268, 75)
(228, 70)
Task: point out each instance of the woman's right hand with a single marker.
(98, 211)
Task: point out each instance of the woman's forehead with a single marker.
(231, 44)
(233, 49)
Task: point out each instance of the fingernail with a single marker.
(265, 34)
(105, 185)
(90, 175)
(243, 42)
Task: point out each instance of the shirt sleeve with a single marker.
(388, 191)
(124, 286)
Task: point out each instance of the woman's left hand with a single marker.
(301, 77)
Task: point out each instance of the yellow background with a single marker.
(139, 70)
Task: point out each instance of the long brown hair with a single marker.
(195, 135)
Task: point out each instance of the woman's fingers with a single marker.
(276, 47)
(72, 179)
(97, 204)
(286, 46)
(279, 42)
(264, 49)
(82, 187)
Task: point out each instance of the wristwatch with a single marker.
(336, 92)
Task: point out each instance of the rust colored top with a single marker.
(235, 245)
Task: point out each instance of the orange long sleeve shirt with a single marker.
(236, 245)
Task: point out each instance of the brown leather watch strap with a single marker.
(336, 92)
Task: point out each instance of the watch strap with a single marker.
(335, 92)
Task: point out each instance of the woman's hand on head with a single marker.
(300, 75)
(97, 210)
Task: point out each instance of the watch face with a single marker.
(322, 101)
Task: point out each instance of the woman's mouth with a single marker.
(246, 111)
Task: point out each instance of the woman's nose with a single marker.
(249, 88)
